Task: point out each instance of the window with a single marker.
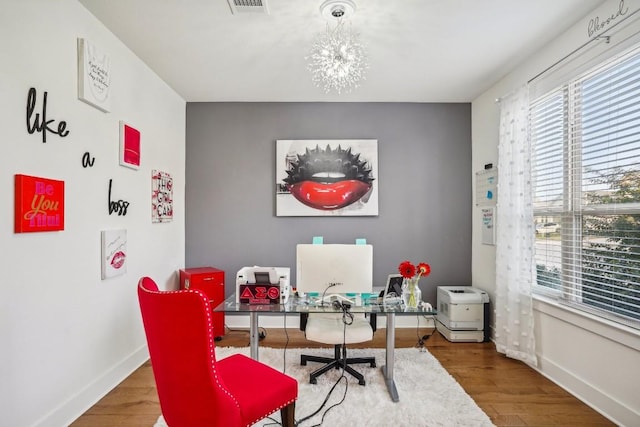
(585, 139)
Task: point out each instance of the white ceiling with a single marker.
(418, 50)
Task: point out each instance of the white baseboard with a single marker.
(241, 321)
(615, 411)
(78, 404)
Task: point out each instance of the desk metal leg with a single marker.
(254, 338)
(387, 370)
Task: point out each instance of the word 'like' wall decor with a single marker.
(39, 123)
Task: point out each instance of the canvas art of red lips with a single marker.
(329, 179)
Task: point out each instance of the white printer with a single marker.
(463, 313)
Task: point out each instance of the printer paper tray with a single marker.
(460, 336)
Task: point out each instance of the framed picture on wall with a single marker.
(114, 253)
(38, 204)
(94, 76)
(129, 146)
(161, 196)
(327, 177)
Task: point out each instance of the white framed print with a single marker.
(327, 177)
(114, 253)
(94, 76)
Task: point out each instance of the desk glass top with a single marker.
(313, 305)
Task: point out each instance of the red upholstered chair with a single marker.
(194, 388)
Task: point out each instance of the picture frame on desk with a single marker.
(393, 286)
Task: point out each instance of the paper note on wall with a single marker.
(488, 226)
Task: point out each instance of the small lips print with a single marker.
(329, 196)
(118, 259)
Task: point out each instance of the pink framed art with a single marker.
(129, 146)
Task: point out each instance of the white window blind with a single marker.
(586, 176)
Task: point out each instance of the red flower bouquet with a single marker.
(408, 270)
(411, 294)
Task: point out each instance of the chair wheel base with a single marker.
(337, 362)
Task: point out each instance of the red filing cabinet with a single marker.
(211, 281)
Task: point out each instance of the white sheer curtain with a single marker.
(515, 235)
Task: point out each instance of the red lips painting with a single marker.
(327, 177)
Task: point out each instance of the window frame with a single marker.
(573, 209)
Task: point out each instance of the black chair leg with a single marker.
(337, 362)
(313, 377)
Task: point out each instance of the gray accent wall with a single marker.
(425, 194)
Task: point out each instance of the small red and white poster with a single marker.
(161, 196)
(38, 204)
(114, 253)
(129, 146)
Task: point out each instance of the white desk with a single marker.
(297, 305)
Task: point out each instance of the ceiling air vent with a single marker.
(248, 6)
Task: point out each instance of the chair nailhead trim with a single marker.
(207, 310)
(266, 415)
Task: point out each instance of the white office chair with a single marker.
(329, 328)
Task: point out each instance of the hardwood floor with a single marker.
(511, 393)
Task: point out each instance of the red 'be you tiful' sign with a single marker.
(39, 204)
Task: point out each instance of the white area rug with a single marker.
(429, 396)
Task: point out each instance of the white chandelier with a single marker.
(338, 59)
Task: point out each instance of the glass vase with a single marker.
(411, 293)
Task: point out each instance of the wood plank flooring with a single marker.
(511, 393)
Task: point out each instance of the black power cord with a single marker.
(423, 339)
(347, 319)
(331, 285)
(347, 316)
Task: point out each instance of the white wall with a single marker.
(67, 336)
(594, 360)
